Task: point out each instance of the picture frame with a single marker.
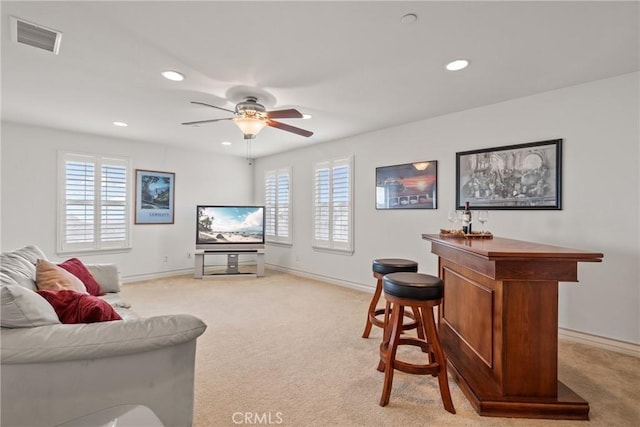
(407, 186)
(155, 197)
(523, 176)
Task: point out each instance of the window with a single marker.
(277, 195)
(333, 205)
(93, 207)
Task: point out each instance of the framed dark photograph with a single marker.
(154, 197)
(407, 186)
(524, 176)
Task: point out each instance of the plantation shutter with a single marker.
(79, 203)
(113, 221)
(322, 215)
(270, 205)
(283, 206)
(333, 206)
(277, 205)
(94, 203)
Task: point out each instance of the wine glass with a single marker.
(453, 217)
(483, 216)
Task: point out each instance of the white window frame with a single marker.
(282, 232)
(330, 243)
(97, 244)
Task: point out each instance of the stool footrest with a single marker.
(380, 323)
(411, 368)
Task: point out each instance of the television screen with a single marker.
(229, 226)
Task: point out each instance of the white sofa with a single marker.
(52, 373)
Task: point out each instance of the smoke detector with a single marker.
(35, 35)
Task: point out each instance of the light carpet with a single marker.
(286, 350)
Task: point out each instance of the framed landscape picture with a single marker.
(407, 186)
(524, 176)
(154, 197)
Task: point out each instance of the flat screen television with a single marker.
(229, 227)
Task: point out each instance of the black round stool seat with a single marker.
(414, 286)
(381, 267)
(394, 265)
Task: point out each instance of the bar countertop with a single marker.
(503, 248)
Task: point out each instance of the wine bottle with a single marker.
(466, 219)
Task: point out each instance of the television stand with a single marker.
(232, 262)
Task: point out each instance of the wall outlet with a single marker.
(165, 259)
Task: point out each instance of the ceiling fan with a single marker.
(252, 117)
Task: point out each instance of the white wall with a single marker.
(29, 189)
(601, 188)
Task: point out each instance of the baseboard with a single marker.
(610, 344)
(160, 275)
(623, 347)
(323, 278)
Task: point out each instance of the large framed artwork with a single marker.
(154, 197)
(407, 186)
(524, 176)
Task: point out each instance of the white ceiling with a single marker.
(353, 65)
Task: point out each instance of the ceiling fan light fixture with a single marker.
(249, 126)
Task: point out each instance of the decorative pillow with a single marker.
(51, 277)
(74, 307)
(23, 308)
(20, 265)
(77, 268)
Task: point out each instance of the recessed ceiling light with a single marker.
(173, 75)
(225, 143)
(409, 18)
(121, 124)
(306, 116)
(458, 64)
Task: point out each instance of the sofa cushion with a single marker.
(23, 308)
(20, 265)
(74, 307)
(121, 307)
(51, 277)
(78, 269)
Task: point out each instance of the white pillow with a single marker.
(107, 276)
(23, 308)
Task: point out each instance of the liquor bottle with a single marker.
(466, 219)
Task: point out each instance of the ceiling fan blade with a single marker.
(206, 121)
(284, 114)
(289, 128)
(213, 106)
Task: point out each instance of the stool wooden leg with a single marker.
(396, 322)
(372, 308)
(433, 338)
(418, 320)
(386, 334)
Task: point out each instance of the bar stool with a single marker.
(422, 292)
(380, 268)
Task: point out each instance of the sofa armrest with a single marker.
(97, 340)
(107, 276)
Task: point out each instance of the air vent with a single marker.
(35, 35)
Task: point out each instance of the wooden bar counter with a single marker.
(499, 324)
